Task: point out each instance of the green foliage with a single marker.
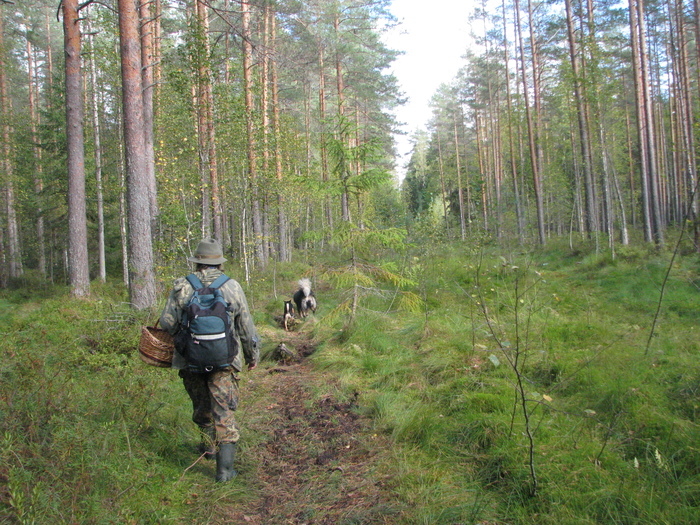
(88, 429)
(92, 435)
(363, 277)
(613, 430)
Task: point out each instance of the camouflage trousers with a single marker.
(214, 400)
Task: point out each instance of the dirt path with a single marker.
(316, 461)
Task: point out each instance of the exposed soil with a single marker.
(317, 461)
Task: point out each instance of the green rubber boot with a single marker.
(224, 462)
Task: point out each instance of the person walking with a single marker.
(213, 388)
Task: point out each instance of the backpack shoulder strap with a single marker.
(220, 281)
(194, 281)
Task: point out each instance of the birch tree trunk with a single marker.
(284, 251)
(147, 24)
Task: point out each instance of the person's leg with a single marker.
(197, 388)
(223, 387)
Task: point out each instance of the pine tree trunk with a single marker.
(250, 132)
(340, 85)
(77, 221)
(324, 134)
(532, 139)
(511, 141)
(201, 58)
(649, 129)
(265, 124)
(142, 289)
(39, 168)
(581, 114)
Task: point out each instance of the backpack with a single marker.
(205, 340)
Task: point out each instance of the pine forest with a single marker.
(506, 315)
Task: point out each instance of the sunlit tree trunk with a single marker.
(581, 114)
(157, 54)
(250, 132)
(647, 159)
(284, 252)
(511, 140)
(123, 230)
(340, 84)
(142, 289)
(77, 222)
(324, 136)
(49, 53)
(532, 131)
(201, 53)
(482, 169)
(94, 103)
(146, 26)
(265, 118)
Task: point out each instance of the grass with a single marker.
(91, 435)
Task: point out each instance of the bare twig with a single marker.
(192, 465)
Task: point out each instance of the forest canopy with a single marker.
(130, 130)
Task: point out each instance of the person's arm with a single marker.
(244, 326)
(170, 316)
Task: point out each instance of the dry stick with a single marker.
(523, 400)
(670, 265)
(192, 465)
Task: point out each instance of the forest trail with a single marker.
(310, 458)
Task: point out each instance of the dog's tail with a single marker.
(305, 286)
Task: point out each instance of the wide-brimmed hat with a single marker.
(208, 252)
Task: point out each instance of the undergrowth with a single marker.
(92, 435)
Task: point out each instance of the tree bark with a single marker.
(511, 141)
(142, 289)
(98, 159)
(649, 129)
(532, 131)
(284, 251)
(77, 221)
(250, 132)
(147, 24)
(584, 142)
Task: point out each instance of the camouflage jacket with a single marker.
(241, 320)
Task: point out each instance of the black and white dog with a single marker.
(288, 315)
(304, 298)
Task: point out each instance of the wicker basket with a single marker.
(156, 346)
